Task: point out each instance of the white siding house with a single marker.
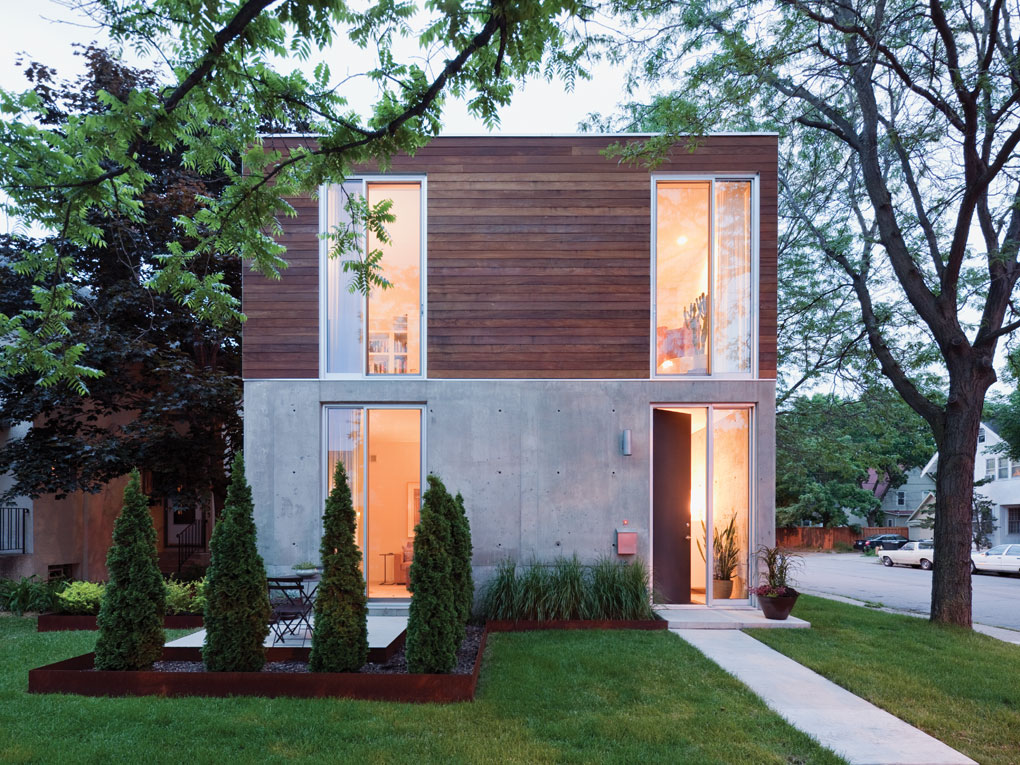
(1002, 489)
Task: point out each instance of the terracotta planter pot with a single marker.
(777, 608)
(722, 589)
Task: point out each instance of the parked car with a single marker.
(881, 542)
(1003, 559)
(911, 554)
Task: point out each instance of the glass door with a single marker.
(701, 504)
(381, 448)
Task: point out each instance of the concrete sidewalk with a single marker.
(847, 724)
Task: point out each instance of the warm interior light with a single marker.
(667, 364)
(681, 240)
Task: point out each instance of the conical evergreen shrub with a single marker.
(340, 634)
(130, 620)
(433, 633)
(460, 554)
(237, 601)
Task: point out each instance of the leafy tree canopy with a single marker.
(225, 90)
(826, 445)
(169, 397)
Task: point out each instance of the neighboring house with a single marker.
(578, 346)
(1003, 489)
(70, 537)
(900, 503)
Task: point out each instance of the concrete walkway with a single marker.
(703, 618)
(847, 724)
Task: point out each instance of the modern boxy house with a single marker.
(585, 349)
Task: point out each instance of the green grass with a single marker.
(543, 697)
(957, 685)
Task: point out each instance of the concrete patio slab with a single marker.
(382, 630)
(725, 619)
(847, 724)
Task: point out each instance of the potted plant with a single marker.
(727, 554)
(306, 569)
(776, 596)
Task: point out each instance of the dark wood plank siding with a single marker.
(538, 261)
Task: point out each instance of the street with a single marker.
(996, 598)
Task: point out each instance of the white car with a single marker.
(911, 554)
(1004, 559)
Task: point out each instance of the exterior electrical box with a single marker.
(626, 542)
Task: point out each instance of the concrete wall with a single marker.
(539, 462)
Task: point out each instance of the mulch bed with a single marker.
(395, 665)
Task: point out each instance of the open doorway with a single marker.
(701, 504)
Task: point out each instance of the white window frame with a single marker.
(1004, 469)
(324, 463)
(990, 468)
(755, 339)
(366, 179)
(752, 499)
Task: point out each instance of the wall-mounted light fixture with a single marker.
(626, 443)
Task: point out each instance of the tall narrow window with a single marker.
(703, 267)
(380, 448)
(380, 334)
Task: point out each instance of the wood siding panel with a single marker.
(538, 260)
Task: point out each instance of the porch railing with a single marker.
(190, 541)
(12, 530)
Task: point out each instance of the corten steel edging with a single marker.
(63, 622)
(78, 676)
(527, 625)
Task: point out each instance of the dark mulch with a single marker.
(397, 665)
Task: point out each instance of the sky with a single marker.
(46, 31)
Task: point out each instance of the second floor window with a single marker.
(703, 272)
(380, 334)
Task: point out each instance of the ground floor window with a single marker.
(701, 503)
(381, 449)
(1013, 524)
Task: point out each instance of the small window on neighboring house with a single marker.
(990, 468)
(901, 498)
(981, 435)
(1003, 467)
(1013, 527)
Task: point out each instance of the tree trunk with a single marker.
(954, 487)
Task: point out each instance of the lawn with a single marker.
(543, 697)
(957, 685)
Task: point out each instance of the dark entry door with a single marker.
(671, 505)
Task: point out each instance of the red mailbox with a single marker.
(626, 542)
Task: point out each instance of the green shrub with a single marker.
(433, 631)
(460, 561)
(340, 634)
(81, 598)
(30, 593)
(130, 620)
(237, 601)
(567, 589)
(842, 547)
(185, 597)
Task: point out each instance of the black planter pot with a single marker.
(778, 608)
